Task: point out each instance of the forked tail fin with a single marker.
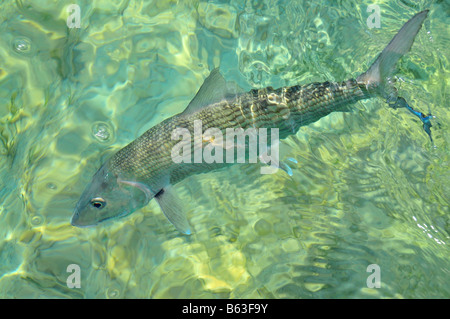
(384, 66)
(376, 77)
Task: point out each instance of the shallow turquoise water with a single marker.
(369, 187)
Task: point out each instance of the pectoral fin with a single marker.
(172, 208)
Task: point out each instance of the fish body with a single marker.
(149, 157)
(145, 169)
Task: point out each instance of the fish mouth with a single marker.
(75, 221)
(82, 226)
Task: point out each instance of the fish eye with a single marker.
(98, 202)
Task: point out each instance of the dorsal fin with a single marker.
(213, 90)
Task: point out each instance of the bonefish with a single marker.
(145, 169)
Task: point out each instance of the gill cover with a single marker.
(107, 197)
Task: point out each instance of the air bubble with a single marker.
(51, 186)
(22, 45)
(112, 293)
(102, 132)
(36, 220)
